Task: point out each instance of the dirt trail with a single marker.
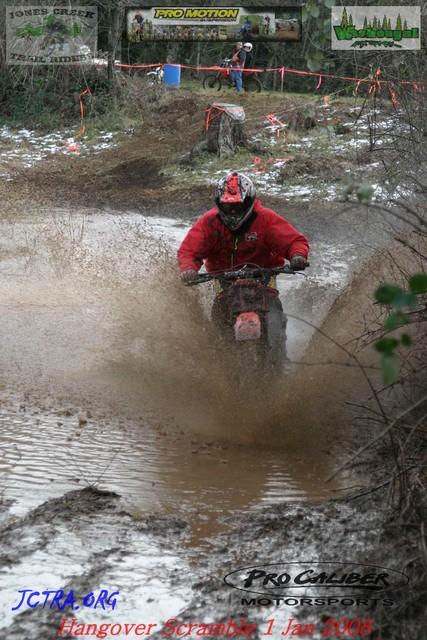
(132, 175)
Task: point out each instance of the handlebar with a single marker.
(243, 273)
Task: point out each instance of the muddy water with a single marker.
(110, 377)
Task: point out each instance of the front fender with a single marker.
(247, 326)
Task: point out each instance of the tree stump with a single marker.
(224, 126)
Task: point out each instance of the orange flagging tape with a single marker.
(282, 71)
(87, 91)
(261, 167)
(275, 122)
(210, 115)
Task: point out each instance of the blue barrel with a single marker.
(172, 75)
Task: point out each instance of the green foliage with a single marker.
(29, 31)
(386, 345)
(387, 293)
(418, 283)
(49, 98)
(319, 42)
(390, 367)
(396, 320)
(406, 340)
(401, 301)
(363, 190)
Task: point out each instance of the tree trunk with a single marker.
(113, 39)
(225, 129)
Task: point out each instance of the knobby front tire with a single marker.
(252, 84)
(212, 82)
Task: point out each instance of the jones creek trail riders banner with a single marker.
(214, 23)
(51, 34)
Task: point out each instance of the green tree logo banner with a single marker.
(376, 27)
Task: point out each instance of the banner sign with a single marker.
(376, 27)
(51, 34)
(214, 23)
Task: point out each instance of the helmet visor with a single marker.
(233, 208)
(233, 213)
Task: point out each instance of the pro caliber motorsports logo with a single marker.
(369, 28)
(50, 34)
(288, 582)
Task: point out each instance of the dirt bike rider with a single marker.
(239, 231)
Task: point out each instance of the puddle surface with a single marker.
(59, 335)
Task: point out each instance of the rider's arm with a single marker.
(284, 239)
(194, 247)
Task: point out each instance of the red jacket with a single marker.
(267, 241)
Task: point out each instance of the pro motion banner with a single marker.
(214, 23)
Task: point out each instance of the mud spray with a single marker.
(96, 323)
(104, 321)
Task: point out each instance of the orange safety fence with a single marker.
(320, 75)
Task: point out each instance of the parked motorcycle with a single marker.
(214, 81)
(250, 317)
(156, 76)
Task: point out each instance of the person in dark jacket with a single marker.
(237, 64)
(248, 47)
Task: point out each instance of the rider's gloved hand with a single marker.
(298, 263)
(189, 275)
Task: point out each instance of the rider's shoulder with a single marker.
(263, 211)
(209, 216)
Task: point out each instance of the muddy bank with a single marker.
(94, 529)
(357, 531)
(81, 541)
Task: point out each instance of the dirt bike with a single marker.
(251, 82)
(156, 76)
(215, 80)
(250, 317)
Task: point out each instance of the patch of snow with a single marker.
(29, 147)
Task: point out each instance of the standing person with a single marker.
(237, 64)
(246, 27)
(139, 27)
(248, 47)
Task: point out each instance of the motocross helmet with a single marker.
(235, 198)
(248, 46)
